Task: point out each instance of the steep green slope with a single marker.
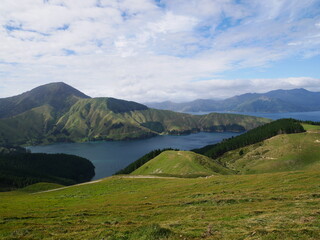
(266, 206)
(93, 119)
(181, 164)
(29, 127)
(59, 96)
(286, 152)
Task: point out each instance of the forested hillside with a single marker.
(21, 169)
(282, 126)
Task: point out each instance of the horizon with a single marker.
(216, 99)
(160, 50)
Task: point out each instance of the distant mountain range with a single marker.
(295, 100)
(57, 112)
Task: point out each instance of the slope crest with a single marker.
(181, 164)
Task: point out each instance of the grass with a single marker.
(182, 164)
(265, 206)
(39, 187)
(309, 127)
(286, 152)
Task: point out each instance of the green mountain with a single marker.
(92, 119)
(59, 96)
(57, 113)
(181, 164)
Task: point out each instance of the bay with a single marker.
(109, 157)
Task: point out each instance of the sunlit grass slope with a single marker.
(285, 152)
(309, 127)
(182, 164)
(265, 206)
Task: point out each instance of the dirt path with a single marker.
(123, 176)
(56, 189)
(147, 176)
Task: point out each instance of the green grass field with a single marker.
(265, 206)
(285, 152)
(276, 195)
(309, 127)
(181, 164)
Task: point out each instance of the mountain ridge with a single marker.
(57, 112)
(294, 100)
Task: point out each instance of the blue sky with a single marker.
(155, 50)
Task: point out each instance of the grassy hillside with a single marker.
(266, 131)
(142, 160)
(93, 119)
(266, 206)
(311, 128)
(287, 152)
(29, 127)
(181, 164)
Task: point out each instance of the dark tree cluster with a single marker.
(144, 159)
(281, 126)
(21, 169)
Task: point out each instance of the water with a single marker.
(109, 157)
(311, 116)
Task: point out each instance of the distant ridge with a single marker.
(58, 95)
(295, 100)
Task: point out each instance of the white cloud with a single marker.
(134, 49)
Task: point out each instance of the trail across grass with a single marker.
(264, 206)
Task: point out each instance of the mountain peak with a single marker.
(58, 95)
(56, 88)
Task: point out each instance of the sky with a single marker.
(157, 50)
